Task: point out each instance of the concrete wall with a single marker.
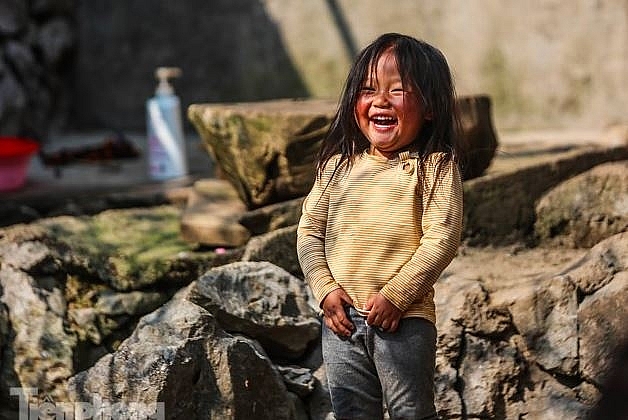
(546, 63)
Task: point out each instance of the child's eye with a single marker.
(397, 92)
(367, 89)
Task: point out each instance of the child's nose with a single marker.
(382, 97)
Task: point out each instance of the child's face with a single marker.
(388, 116)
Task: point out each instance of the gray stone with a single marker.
(40, 351)
(490, 375)
(14, 101)
(22, 59)
(56, 40)
(546, 316)
(479, 317)
(273, 216)
(547, 399)
(13, 16)
(131, 303)
(179, 356)
(130, 249)
(298, 380)
(602, 320)
(600, 264)
(211, 216)
(261, 301)
(278, 247)
(319, 403)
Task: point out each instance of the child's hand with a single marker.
(334, 310)
(382, 313)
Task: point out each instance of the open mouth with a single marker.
(383, 121)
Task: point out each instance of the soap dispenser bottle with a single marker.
(166, 143)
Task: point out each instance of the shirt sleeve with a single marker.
(311, 240)
(441, 223)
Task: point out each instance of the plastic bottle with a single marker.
(166, 143)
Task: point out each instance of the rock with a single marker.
(14, 98)
(500, 207)
(478, 317)
(261, 301)
(61, 307)
(545, 314)
(211, 217)
(613, 403)
(490, 375)
(297, 379)
(450, 295)
(602, 320)
(600, 264)
(37, 39)
(585, 209)
(180, 363)
(518, 345)
(273, 216)
(267, 149)
(13, 16)
(132, 249)
(523, 331)
(39, 351)
(277, 247)
(548, 399)
(479, 138)
(56, 40)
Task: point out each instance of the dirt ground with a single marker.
(500, 267)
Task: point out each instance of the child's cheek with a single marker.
(362, 111)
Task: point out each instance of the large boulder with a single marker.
(277, 247)
(585, 209)
(500, 206)
(261, 301)
(268, 149)
(596, 326)
(179, 363)
(537, 346)
(71, 289)
(265, 149)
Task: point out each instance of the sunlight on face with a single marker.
(388, 116)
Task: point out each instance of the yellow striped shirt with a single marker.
(373, 229)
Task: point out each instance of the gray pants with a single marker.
(372, 367)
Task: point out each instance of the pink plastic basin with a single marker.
(15, 156)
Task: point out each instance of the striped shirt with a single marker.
(378, 227)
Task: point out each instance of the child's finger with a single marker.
(337, 326)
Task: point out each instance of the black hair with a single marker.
(421, 67)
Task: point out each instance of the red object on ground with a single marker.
(15, 156)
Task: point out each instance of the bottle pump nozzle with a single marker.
(164, 74)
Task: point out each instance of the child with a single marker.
(381, 223)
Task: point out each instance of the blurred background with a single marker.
(80, 66)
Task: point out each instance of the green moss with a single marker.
(131, 248)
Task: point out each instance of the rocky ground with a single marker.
(125, 305)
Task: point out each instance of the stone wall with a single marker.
(37, 41)
(546, 64)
